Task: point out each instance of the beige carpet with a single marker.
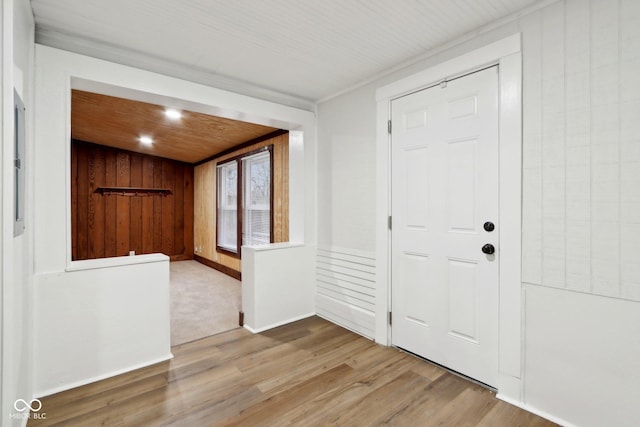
(204, 301)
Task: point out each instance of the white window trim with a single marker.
(223, 166)
(240, 161)
(507, 54)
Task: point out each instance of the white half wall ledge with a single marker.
(91, 264)
(277, 284)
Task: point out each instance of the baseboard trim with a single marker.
(275, 325)
(535, 411)
(217, 266)
(80, 383)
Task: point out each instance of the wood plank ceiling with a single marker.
(304, 49)
(118, 122)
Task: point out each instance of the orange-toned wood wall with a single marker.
(205, 201)
(112, 225)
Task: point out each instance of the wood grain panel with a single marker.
(74, 200)
(178, 221)
(110, 205)
(168, 212)
(83, 204)
(204, 206)
(147, 206)
(188, 211)
(192, 138)
(123, 204)
(97, 173)
(157, 206)
(113, 225)
(205, 203)
(135, 223)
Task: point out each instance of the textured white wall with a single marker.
(581, 197)
(582, 147)
(347, 173)
(581, 211)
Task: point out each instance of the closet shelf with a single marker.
(132, 191)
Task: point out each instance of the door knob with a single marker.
(488, 249)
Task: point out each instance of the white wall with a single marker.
(581, 174)
(277, 284)
(16, 327)
(346, 172)
(97, 304)
(98, 321)
(582, 357)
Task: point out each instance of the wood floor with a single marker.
(309, 373)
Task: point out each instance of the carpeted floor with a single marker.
(204, 301)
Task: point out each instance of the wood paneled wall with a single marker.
(112, 225)
(205, 200)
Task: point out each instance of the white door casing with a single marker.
(444, 188)
(507, 53)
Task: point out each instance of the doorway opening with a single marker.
(506, 53)
(140, 185)
(204, 301)
(444, 265)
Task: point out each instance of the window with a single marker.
(18, 164)
(256, 212)
(228, 206)
(244, 201)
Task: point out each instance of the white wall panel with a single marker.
(577, 147)
(553, 147)
(577, 366)
(346, 288)
(629, 149)
(581, 87)
(532, 150)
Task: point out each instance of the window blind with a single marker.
(256, 222)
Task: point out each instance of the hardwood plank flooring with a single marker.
(308, 373)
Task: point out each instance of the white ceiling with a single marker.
(284, 50)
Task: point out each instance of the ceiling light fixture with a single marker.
(172, 114)
(145, 139)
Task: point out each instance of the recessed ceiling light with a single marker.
(172, 113)
(146, 139)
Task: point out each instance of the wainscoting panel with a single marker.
(346, 285)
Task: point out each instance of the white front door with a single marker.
(444, 189)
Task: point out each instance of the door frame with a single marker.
(506, 53)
